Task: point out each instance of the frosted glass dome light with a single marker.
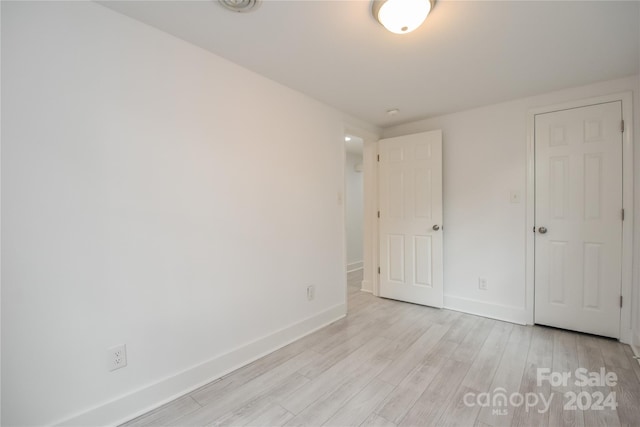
(401, 16)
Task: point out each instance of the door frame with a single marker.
(627, 202)
(370, 220)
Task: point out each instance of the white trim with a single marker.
(376, 232)
(354, 266)
(371, 252)
(627, 225)
(152, 396)
(634, 347)
(366, 286)
(627, 202)
(485, 309)
(370, 135)
(530, 247)
(343, 197)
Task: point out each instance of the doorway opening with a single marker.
(354, 210)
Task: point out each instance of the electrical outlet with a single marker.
(311, 292)
(483, 285)
(514, 197)
(117, 357)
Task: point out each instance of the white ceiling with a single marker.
(467, 54)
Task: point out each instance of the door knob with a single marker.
(542, 230)
(436, 227)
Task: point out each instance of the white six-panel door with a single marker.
(410, 224)
(578, 245)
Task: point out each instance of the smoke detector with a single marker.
(240, 5)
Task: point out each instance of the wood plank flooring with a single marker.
(393, 364)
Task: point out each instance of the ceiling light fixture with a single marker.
(347, 138)
(241, 6)
(401, 16)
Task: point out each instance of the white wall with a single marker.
(354, 209)
(156, 195)
(484, 160)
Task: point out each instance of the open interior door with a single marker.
(410, 223)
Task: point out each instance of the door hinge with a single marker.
(623, 214)
(378, 157)
(378, 214)
(620, 301)
(622, 126)
(378, 270)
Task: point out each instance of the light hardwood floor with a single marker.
(394, 364)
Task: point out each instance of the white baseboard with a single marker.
(635, 345)
(480, 308)
(366, 286)
(354, 266)
(149, 397)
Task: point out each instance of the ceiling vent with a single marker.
(240, 5)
